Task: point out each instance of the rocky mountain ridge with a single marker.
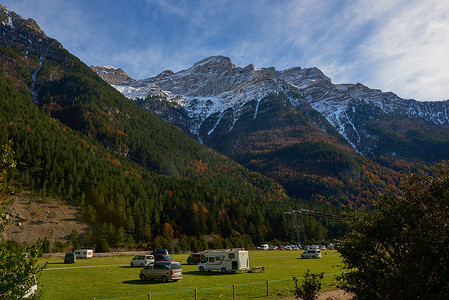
(112, 75)
(25, 33)
(215, 87)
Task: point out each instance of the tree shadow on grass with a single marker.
(146, 282)
(208, 273)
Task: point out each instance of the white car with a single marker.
(141, 260)
(32, 291)
(311, 253)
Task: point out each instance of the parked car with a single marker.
(330, 247)
(164, 271)
(311, 253)
(141, 260)
(70, 258)
(32, 291)
(323, 247)
(160, 251)
(163, 257)
(264, 247)
(195, 258)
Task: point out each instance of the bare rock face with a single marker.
(14, 30)
(112, 75)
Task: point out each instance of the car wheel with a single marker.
(223, 270)
(164, 279)
(142, 277)
(201, 269)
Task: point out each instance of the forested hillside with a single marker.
(341, 144)
(135, 177)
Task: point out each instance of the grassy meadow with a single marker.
(112, 278)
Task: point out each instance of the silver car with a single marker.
(311, 253)
(163, 270)
(141, 260)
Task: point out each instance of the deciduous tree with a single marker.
(18, 268)
(399, 250)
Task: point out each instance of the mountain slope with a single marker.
(297, 127)
(76, 136)
(214, 86)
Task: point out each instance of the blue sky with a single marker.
(393, 45)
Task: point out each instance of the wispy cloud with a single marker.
(408, 55)
(397, 46)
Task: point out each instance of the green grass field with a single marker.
(112, 278)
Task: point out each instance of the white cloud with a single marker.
(408, 55)
(397, 46)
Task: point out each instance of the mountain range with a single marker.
(316, 138)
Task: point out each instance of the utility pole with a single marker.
(298, 225)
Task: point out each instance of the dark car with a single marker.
(162, 257)
(70, 258)
(160, 251)
(195, 258)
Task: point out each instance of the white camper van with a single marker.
(84, 253)
(225, 261)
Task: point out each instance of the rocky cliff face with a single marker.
(112, 75)
(214, 94)
(25, 33)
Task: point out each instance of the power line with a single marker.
(316, 214)
(298, 226)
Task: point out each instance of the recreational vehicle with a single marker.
(84, 253)
(225, 261)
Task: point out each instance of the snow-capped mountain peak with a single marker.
(211, 86)
(215, 87)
